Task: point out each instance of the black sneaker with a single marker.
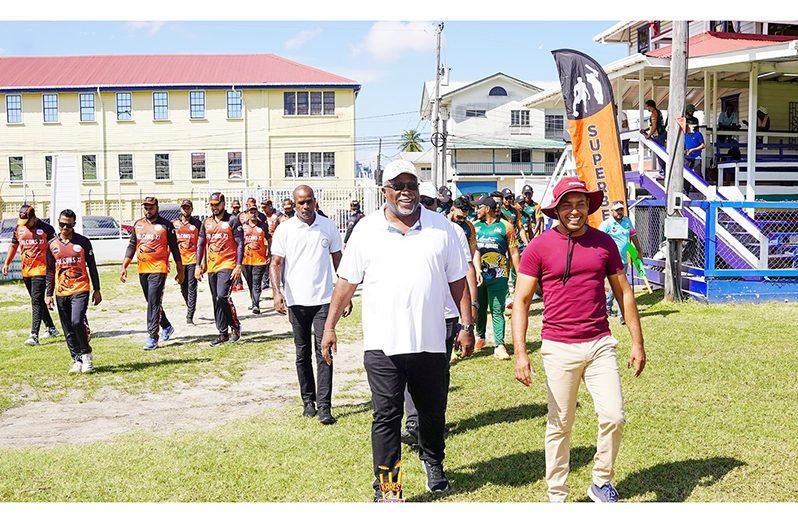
(255, 310)
(436, 479)
(409, 436)
(235, 335)
(220, 339)
(310, 410)
(325, 416)
(189, 321)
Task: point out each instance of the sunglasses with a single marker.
(401, 186)
(64, 225)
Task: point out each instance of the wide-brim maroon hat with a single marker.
(572, 184)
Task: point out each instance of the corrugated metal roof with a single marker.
(710, 43)
(147, 70)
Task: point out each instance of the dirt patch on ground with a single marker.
(199, 406)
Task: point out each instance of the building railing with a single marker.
(503, 168)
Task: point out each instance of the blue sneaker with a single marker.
(151, 344)
(603, 494)
(167, 333)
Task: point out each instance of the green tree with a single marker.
(411, 141)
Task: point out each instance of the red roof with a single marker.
(153, 70)
(710, 43)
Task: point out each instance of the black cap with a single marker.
(150, 200)
(507, 192)
(26, 212)
(216, 197)
(487, 201)
(527, 188)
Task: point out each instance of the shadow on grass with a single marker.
(654, 298)
(487, 350)
(491, 417)
(674, 482)
(643, 314)
(345, 411)
(141, 365)
(513, 470)
(115, 334)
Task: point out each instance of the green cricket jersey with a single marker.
(494, 241)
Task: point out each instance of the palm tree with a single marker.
(411, 141)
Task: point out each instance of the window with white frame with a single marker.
(234, 168)
(309, 164)
(125, 166)
(162, 166)
(16, 169)
(88, 164)
(519, 118)
(124, 106)
(198, 166)
(86, 107)
(196, 100)
(160, 105)
(554, 126)
(50, 107)
(309, 103)
(235, 104)
(13, 108)
(475, 113)
(48, 168)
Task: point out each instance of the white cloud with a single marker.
(362, 76)
(150, 27)
(301, 38)
(388, 40)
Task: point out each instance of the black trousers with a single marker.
(424, 373)
(72, 311)
(152, 284)
(189, 289)
(302, 318)
(410, 406)
(254, 276)
(36, 286)
(224, 312)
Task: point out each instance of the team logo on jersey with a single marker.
(158, 227)
(498, 230)
(224, 225)
(139, 226)
(56, 250)
(78, 248)
(258, 230)
(325, 242)
(39, 232)
(191, 228)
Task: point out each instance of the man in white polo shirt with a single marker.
(408, 259)
(301, 250)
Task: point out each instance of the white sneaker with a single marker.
(49, 333)
(87, 366)
(500, 353)
(75, 368)
(32, 340)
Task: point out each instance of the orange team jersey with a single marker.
(187, 234)
(220, 245)
(71, 271)
(272, 222)
(32, 250)
(152, 247)
(255, 250)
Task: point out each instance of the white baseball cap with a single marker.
(427, 189)
(397, 167)
(617, 205)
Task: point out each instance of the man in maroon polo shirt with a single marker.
(571, 261)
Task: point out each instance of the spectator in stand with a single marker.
(693, 145)
(656, 130)
(762, 121)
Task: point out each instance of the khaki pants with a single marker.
(566, 364)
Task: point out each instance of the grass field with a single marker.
(711, 419)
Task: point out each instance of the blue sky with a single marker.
(390, 59)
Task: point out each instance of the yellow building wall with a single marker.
(263, 134)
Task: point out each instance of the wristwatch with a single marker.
(475, 303)
(467, 328)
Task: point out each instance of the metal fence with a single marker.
(649, 220)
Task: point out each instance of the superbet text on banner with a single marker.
(593, 125)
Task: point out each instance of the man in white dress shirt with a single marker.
(408, 259)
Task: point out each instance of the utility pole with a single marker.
(378, 173)
(674, 181)
(435, 138)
